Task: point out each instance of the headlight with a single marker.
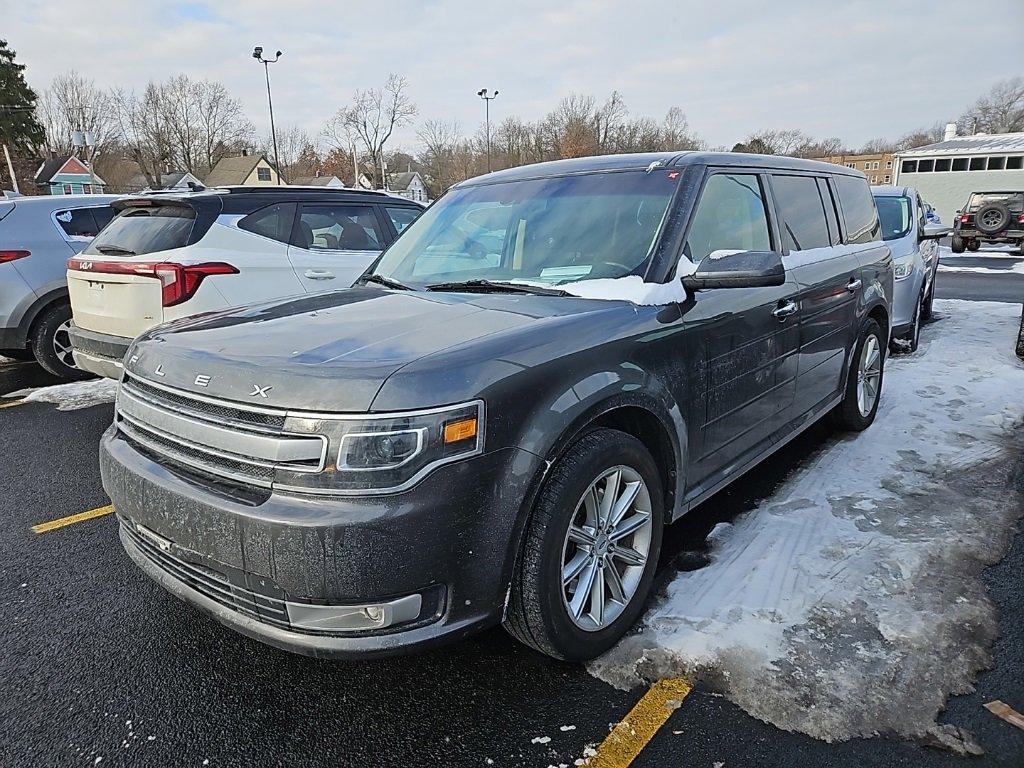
(903, 269)
(385, 453)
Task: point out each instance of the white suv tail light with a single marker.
(179, 281)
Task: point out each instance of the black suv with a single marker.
(989, 217)
(496, 423)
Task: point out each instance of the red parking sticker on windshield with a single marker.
(673, 174)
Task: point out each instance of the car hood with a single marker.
(329, 352)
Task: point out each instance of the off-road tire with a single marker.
(41, 342)
(847, 415)
(957, 244)
(999, 224)
(536, 615)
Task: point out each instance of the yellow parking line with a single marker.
(72, 519)
(629, 737)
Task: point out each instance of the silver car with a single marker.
(915, 252)
(37, 236)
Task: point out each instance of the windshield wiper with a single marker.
(387, 282)
(496, 286)
(113, 250)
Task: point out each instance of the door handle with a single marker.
(854, 285)
(318, 274)
(785, 310)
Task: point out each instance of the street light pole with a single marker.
(257, 53)
(482, 93)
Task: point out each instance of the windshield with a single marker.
(894, 216)
(551, 231)
(136, 231)
(1012, 200)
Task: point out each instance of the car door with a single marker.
(333, 243)
(261, 255)
(828, 274)
(750, 336)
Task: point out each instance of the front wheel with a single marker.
(927, 304)
(910, 341)
(51, 344)
(863, 382)
(590, 549)
(957, 244)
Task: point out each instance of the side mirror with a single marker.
(934, 232)
(737, 269)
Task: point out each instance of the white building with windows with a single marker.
(947, 172)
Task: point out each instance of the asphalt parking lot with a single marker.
(103, 666)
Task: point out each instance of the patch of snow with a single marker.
(540, 740)
(850, 604)
(70, 397)
(567, 728)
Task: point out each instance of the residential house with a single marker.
(332, 182)
(244, 170)
(948, 171)
(177, 180)
(879, 167)
(67, 175)
(409, 184)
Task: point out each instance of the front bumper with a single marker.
(451, 540)
(98, 353)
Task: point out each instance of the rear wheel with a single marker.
(51, 343)
(863, 382)
(590, 549)
(957, 244)
(17, 354)
(973, 245)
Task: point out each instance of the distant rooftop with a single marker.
(980, 144)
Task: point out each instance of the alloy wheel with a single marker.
(869, 375)
(62, 344)
(606, 548)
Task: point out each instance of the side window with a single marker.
(859, 212)
(402, 217)
(729, 217)
(274, 221)
(831, 216)
(338, 228)
(803, 222)
(78, 223)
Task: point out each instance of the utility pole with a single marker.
(10, 169)
(482, 93)
(257, 53)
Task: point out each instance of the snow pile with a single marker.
(71, 397)
(850, 603)
(631, 288)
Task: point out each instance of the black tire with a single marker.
(912, 338)
(44, 332)
(992, 218)
(973, 245)
(926, 305)
(847, 414)
(537, 614)
(957, 244)
(23, 355)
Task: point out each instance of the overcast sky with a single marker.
(856, 70)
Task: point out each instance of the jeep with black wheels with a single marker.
(989, 217)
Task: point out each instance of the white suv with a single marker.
(166, 256)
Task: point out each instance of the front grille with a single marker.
(242, 444)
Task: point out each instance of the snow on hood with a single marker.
(849, 603)
(71, 397)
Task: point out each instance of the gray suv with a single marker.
(37, 236)
(496, 423)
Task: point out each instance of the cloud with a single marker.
(857, 71)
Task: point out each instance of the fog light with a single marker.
(352, 618)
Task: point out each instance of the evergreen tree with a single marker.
(19, 128)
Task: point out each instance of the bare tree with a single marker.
(1001, 110)
(143, 131)
(293, 145)
(371, 119)
(921, 136)
(75, 103)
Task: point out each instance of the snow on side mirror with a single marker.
(737, 269)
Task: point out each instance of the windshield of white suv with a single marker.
(894, 216)
(550, 231)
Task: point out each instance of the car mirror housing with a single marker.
(934, 232)
(737, 269)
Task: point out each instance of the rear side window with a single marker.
(331, 227)
(729, 217)
(803, 221)
(78, 223)
(859, 213)
(402, 217)
(1014, 201)
(274, 221)
(145, 230)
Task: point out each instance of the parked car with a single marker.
(989, 217)
(915, 252)
(37, 235)
(463, 438)
(931, 216)
(171, 255)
